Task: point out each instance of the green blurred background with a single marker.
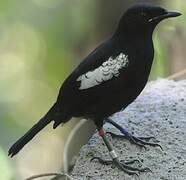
(41, 41)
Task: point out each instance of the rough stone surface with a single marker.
(159, 111)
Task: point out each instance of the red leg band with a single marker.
(101, 132)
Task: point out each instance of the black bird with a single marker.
(108, 80)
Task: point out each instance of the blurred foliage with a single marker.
(6, 172)
(41, 41)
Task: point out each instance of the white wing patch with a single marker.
(106, 71)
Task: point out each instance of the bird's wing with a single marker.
(95, 75)
(108, 69)
(102, 65)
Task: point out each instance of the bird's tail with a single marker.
(20, 143)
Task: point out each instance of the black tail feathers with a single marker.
(60, 118)
(17, 146)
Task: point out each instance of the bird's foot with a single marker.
(123, 165)
(139, 141)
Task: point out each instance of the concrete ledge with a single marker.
(160, 111)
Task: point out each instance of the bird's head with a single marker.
(144, 17)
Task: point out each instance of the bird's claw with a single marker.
(102, 161)
(139, 141)
(123, 165)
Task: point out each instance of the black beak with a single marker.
(168, 14)
(171, 14)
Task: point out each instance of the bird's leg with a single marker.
(140, 141)
(124, 166)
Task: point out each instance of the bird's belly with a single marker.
(113, 97)
(113, 101)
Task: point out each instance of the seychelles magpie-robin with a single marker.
(108, 79)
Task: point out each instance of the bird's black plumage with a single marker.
(111, 77)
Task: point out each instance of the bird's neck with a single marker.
(133, 33)
(139, 41)
(139, 46)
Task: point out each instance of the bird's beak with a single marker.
(168, 14)
(171, 14)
